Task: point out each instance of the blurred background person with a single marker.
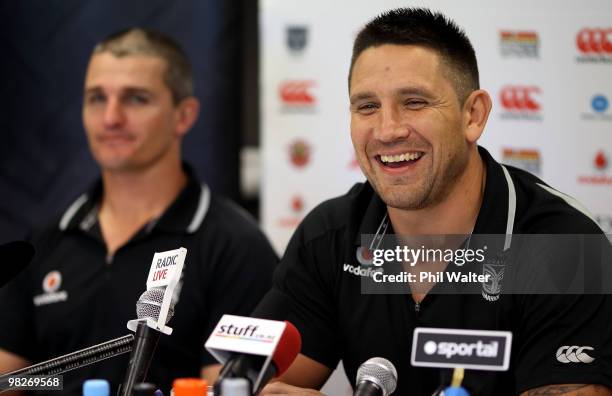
(92, 262)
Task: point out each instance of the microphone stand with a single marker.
(145, 343)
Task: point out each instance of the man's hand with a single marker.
(280, 388)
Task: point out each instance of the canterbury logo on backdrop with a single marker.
(592, 40)
(520, 98)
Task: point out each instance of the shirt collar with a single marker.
(492, 217)
(185, 214)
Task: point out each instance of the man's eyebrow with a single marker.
(419, 91)
(137, 90)
(406, 91)
(361, 96)
(126, 90)
(96, 89)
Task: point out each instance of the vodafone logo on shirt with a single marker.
(52, 282)
(51, 290)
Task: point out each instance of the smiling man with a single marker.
(93, 261)
(417, 112)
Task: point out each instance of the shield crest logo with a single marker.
(297, 38)
(494, 269)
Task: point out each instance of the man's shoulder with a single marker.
(226, 218)
(544, 209)
(54, 225)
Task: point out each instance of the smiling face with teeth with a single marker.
(407, 125)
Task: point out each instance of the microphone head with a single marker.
(287, 349)
(150, 302)
(379, 371)
(15, 257)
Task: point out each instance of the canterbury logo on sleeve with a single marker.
(574, 354)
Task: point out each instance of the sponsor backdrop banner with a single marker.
(546, 65)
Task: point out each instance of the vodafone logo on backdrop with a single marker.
(594, 44)
(297, 95)
(601, 174)
(520, 102)
(297, 204)
(601, 161)
(296, 208)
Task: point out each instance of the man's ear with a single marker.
(187, 113)
(476, 111)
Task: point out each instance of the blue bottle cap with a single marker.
(455, 391)
(96, 387)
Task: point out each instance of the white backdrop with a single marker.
(556, 119)
(547, 65)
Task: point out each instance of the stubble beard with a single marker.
(427, 191)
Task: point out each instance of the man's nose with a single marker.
(391, 127)
(114, 114)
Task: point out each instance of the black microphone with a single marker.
(376, 377)
(15, 256)
(146, 338)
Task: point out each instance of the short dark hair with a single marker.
(422, 27)
(140, 41)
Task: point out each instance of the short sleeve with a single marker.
(303, 295)
(564, 339)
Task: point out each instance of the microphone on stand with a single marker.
(154, 309)
(252, 367)
(145, 339)
(376, 377)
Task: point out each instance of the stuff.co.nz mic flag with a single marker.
(255, 349)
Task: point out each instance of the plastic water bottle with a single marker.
(96, 387)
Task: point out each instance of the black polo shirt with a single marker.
(315, 289)
(74, 295)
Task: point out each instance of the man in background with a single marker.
(92, 262)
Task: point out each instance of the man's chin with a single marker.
(116, 166)
(402, 199)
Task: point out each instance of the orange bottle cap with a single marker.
(189, 387)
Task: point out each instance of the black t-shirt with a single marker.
(317, 287)
(74, 296)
